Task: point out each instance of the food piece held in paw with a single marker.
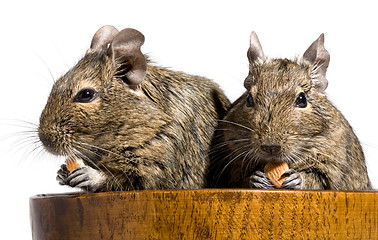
(274, 171)
(73, 163)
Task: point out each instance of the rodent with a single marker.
(285, 116)
(134, 124)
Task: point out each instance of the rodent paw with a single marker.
(62, 174)
(87, 178)
(293, 181)
(260, 180)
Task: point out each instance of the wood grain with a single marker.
(206, 214)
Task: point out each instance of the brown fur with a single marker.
(155, 135)
(317, 142)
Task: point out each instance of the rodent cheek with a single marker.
(87, 116)
(89, 109)
(308, 121)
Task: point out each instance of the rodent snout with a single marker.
(52, 141)
(272, 149)
(46, 141)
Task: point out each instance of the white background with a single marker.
(208, 38)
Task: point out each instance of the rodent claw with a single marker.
(78, 169)
(77, 176)
(61, 180)
(75, 182)
(64, 167)
(260, 180)
(260, 174)
(288, 172)
(293, 181)
(62, 175)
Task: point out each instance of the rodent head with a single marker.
(284, 106)
(99, 100)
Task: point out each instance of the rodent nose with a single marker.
(46, 141)
(272, 149)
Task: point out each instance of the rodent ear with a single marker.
(254, 54)
(255, 51)
(103, 37)
(319, 57)
(127, 56)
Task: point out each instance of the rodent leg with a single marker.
(293, 181)
(260, 180)
(87, 178)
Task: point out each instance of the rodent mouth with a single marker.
(265, 158)
(271, 157)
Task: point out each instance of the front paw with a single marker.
(260, 180)
(62, 175)
(87, 178)
(293, 180)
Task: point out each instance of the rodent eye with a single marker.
(86, 95)
(301, 101)
(250, 102)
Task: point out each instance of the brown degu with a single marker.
(134, 125)
(284, 118)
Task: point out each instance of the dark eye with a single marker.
(301, 101)
(85, 95)
(250, 102)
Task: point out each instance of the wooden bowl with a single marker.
(206, 214)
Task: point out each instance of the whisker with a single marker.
(77, 144)
(78, 154)
(368, 144)
(237, 124)
(334, 160)
(217, 177)
(47, 67)
(218, 146)
(251, 162)
(105, 150)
